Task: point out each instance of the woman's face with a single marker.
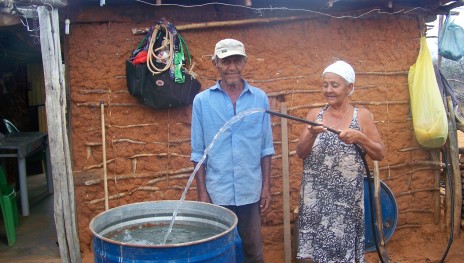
(335, 88)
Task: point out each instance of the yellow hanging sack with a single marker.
(429, 117)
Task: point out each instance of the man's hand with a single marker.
(202, 193)
(204, 197)
(265, 201)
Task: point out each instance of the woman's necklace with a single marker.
(342, 121)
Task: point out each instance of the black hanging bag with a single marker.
(159, 91)
(156, 73)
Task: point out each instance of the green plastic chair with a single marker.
(9, 208)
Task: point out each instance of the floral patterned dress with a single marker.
(331, 209)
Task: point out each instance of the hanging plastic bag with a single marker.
(451, 40)
(429, 117)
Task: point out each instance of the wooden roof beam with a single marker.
(53, 3)
(246, 2)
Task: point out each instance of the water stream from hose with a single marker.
(226, 126)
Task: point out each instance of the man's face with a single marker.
(230, 68)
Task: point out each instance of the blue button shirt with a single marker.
(233, 164)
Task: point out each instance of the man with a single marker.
(236, 173)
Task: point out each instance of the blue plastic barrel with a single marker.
(222, 248)
(238, 248)
(389, 215)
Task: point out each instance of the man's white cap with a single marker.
(229, 47)
(342, 69)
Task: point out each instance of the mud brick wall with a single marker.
(148, 150)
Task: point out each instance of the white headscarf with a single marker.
(342, 69)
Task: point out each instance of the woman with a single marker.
(331, 209)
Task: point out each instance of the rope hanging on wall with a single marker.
(167, 44)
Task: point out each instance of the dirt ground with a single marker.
(423, 246)
(413, 246)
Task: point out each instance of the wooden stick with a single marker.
(135, 125)
(412, 163)
(288, 92)
(378, 212)
(435, 157)
(98, 165)
(380, 103)
(286, 187)
(96, 91)
(383, 73)
(411, 171)
(296, 91)
(116, 196)
(105, 180)
(408, 226)
(440, 24)
(139, 176)
(448, 165)
(172, 177)
(280, 79)
(128, 141)
(134, 156)
(193, 26)
(454, 156)
(416, 191)
(96, 105)
(447, 190)
(92, 144)
(412, 210)
(149, 188)
(412, 149)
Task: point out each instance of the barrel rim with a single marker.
(177, 245)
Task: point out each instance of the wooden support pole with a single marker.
(447, 202)
(49, 3)
(286, 187)
(64, 204)
(440, 24)
(456, 178)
